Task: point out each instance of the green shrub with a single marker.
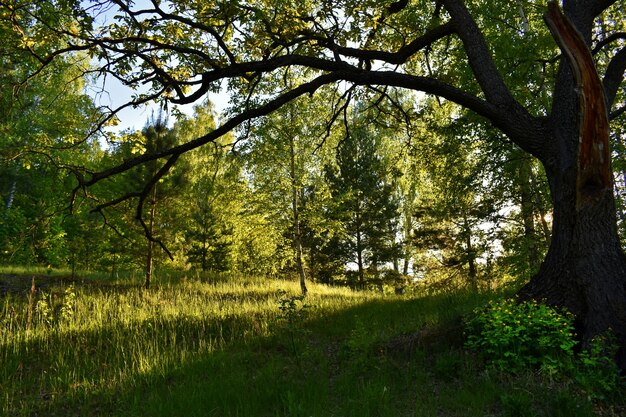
(596, 372)
(515, 335)
(44, 309)
(293, 313)
(69, 304)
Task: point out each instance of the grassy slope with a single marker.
(225, 349)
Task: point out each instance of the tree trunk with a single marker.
(9, 202)
(471, 256)
(149, 256)
(297, 237)
(528, 212)
(11, 194)
(205, 246)
(585, 268)
(359, 246)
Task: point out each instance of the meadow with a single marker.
(224, 345)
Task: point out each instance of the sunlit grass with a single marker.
(218, 345)
(115, 333)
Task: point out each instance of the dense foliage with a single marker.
(514, 335)
(420, 147)
(358, 185)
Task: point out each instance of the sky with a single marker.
(111, 93)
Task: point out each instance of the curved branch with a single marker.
(614, 76)
(516, 126)
(604, 42)
(519, 126)
(479, 57)
(234, 122)
(142, 198)
(241, 69)
(401, 55)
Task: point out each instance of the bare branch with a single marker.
(115, 229)
(114, 202)
(344, 100)
(144, 194)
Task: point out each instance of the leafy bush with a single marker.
(596, 372)
(293, 313)
(514, 335)
(293, 309)
(69, 304)
(44, 309)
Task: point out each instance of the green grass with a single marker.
(216, 346)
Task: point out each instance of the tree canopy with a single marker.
(553, 90)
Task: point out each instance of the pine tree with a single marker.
(362, 190)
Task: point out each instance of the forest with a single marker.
(335, 199)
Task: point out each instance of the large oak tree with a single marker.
(182, 50)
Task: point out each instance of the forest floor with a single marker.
(252, 347)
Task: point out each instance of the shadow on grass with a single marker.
(384, 357)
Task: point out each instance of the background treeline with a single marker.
(387, 193)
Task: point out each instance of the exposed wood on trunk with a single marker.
(594, 163)
(585, 268)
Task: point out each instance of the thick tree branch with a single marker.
(520, 131)
(479, 57)
(606, 41)
(597, 7)
(243, 69)
(401, 55)
(499, 106)
(234, 122)
(594, 160)
(614, 76)
(240, 70)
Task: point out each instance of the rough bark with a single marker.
(585, 268)
(359, 246)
